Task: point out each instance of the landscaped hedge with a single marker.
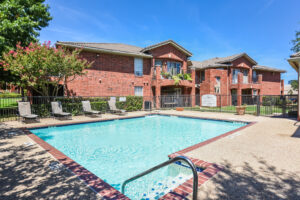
(42, 105)
(272, 101)
(71, 105)
(132, 103)
(8, 94)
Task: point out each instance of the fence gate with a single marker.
(279, 105)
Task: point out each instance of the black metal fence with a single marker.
(42, 105)
(267, 105)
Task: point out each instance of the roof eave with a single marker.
(294, 62)
(210, 66)
(270, 70)
(100, 50)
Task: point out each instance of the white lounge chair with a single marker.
(114, 109)
(58, 112)
(25, 112)
(87, 109)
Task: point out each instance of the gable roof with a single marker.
(116, 48)
(219, 62)
(167, 42)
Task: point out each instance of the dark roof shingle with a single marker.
(219, 62)
(107, 47)
(266, 68)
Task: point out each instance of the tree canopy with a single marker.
(42, 66)
(294, 85)
(296, 43)
(20, 22)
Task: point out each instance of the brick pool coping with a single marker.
(107, 191)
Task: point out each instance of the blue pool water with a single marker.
(119, 149)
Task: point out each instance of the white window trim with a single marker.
(139, 92)
(138, 66)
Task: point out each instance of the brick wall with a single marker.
(111, 75)
(271, 83)
(169, 52)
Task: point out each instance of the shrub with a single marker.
(71, 105)
(132, 103)
(8, 94)
(42, 110)
(100, 105)
(272, 101)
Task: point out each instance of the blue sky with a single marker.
(212, 28)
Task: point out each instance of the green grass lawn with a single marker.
(9, 102)
(250, 109)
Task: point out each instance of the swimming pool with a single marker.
(119, 149)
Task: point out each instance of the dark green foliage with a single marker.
(294, 85)
(272, 101)
(296, 42)
(42, 110)
(71, 105)
(132, 103)
(20, 21)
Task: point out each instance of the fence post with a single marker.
(220, 103)
(258, 106)
(284, 105)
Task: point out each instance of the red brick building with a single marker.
(122, 70)
(234, 76)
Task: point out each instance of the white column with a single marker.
(298, 92)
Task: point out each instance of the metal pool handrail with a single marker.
(178, 158)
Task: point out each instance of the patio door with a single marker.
(234, 97)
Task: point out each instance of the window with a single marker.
(254, 76)
(218, 84)
(245, 76)
(174, 68)
(138, 66)
(138, 91)
(202, 76)
(158, 62)
(235, 76)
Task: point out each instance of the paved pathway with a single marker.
(260, 162)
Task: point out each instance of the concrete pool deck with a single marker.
(260, 162)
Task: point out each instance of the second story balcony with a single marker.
(243, 81)
(166, 77)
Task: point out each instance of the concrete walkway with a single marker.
(260, 162)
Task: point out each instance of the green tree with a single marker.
(20, 22)
(42, 66)
(294, 85)
(296, 43)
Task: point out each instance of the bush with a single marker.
(132, 103)
(42, 110)
(71, 105)
(100, 105)
(8, 94)
(272, 101)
